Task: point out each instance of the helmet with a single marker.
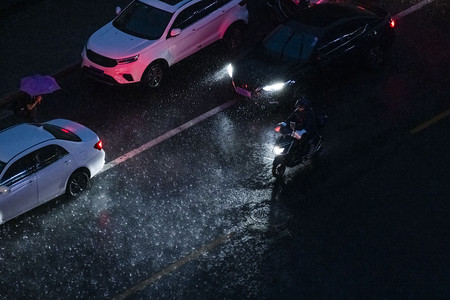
(302, 102)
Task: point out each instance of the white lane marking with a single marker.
(166, 136)
(412, 9)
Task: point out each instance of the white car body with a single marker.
(35, 165)
(174, 44)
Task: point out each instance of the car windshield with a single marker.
(289, 45)
(143, 21)
(2, 166)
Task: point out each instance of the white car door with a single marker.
(210, 27)
(192, 34)
(54, 167)
(18, 192)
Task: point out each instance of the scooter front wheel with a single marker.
(278, 168)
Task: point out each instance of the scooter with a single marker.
(290, 150)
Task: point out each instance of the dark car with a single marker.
(314, 38)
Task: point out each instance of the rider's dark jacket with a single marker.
(306, 120)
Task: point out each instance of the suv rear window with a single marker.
(61, 133)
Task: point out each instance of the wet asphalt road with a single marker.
(368, 220)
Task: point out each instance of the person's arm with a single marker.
(31, 105)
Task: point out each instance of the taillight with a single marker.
(99, 145)
(277, 129)
(392, 23)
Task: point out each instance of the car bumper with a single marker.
(260, 96)
(96, 163)
(118, 75)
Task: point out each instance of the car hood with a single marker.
(255, 69)
(114, 43)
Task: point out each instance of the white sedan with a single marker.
(39, 162)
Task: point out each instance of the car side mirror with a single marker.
(174, 32)
(118, 10)
(4, 190)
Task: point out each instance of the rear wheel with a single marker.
(278, 167)
(78, 182)
(234, 37)
(154, 75)
(375, 56)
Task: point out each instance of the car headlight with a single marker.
(277, 86)
(127, 60)
(278, 150)
(274, 87)
(230, 70)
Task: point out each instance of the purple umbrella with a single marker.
(38, 85)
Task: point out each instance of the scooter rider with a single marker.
(303, 123)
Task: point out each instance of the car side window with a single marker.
(194, 13)
(299, 47)
(20, 169)
(48, 155)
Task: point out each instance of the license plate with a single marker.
(243, 92)
(96, 71)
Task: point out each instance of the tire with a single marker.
(278, 168)
(234, 37)
(77, 183)
(154, 75)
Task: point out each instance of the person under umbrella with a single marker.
(29, 109)
(35, 86)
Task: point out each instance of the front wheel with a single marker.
(78, 182)
(154, 75)
(278, 167)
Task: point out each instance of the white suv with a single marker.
(149, 36)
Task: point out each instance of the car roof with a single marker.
(18, 138)
(167, 5)
(327, 14)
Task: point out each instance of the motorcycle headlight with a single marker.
(230, 70)
(127, 60)
(278, 150)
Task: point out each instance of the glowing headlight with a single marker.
(127, 60)
(274, 87)
(278, 150)
(230, 70)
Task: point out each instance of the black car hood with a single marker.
(256, 69)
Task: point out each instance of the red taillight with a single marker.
(98, 145)
(277, 129)
(392, 23)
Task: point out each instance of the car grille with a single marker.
(100, 59)
(95, 74)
